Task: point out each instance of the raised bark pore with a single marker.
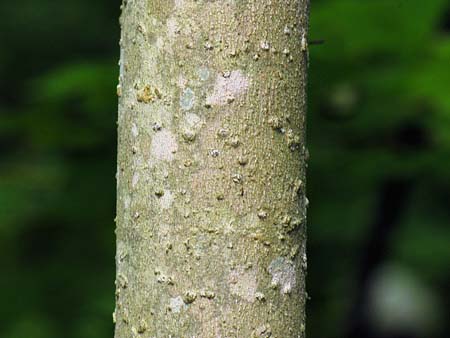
(211, 208)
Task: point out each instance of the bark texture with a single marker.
(211, 207)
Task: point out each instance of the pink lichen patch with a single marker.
(243, 283)
(164, 146)
(228, 88)
(172, 28)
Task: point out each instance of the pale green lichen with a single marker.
(187, 99)
(176, 304)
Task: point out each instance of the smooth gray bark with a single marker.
(211, 209)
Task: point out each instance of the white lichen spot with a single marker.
(166, 200)
(181, 82)
(135, 180)
(287, 30)
(263, 331)
(243, 283)
(214, 152)
(283, 274)
(164, 146)
(176, 304)
(179, 3)
(188, 134)
(226, 89)
(172, 28)
(304, 43)
(121, 64)
(126, 202)
(264, 45)
(187, 99)
(134, 130)
(191, 126)
(208, 45)
(193, 120)
(159, 42)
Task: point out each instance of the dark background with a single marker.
(378, 179)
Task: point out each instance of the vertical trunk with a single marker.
(211, 169)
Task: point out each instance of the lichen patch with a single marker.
(126, 202)
(160, 42)
(135, 180)
(193, 120)
(172, 28)
(203, 73)
(283, 274)
(164, 146)
(228, 87)
(134, 130)
(191, 126)
(179, 3)
(166, 200)
(187, 99)
(181, 82)
(243, 283)
(176, 304)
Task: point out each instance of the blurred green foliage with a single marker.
(379, 113)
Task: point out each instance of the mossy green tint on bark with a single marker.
(211, 205)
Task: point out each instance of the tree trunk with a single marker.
(211, 207)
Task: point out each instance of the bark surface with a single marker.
(211, 209)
